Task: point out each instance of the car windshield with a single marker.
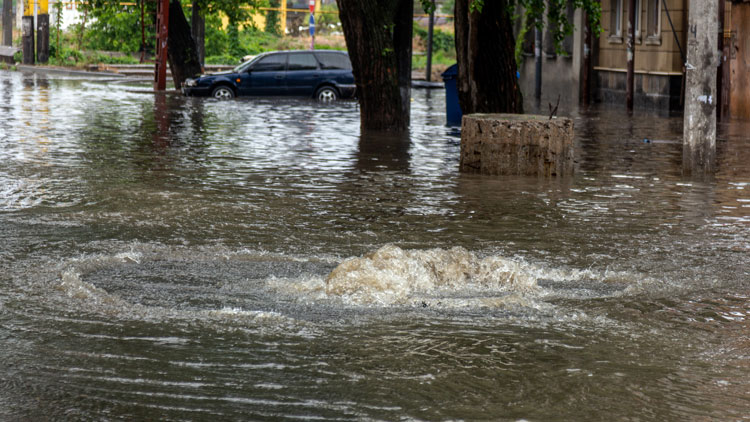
(243, 67)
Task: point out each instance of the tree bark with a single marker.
(378, 37)
(181, 50)
(198, 27)
(485, 51)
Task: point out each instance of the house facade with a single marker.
(660, 49)
(659, 53)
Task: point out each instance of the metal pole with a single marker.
(538, 64)
(430, 32)
(7, 22)
(720, 71)
(143, 31)
(162, 41)
(699, 133)
(631, 56)
(586, 92)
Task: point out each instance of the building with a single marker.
(660, 48)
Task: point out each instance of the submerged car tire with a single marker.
(326, 93)
(222, 92)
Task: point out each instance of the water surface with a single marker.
(168, 258)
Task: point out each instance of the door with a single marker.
(302, 74)
(266, 77)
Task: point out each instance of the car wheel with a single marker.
(222, 93)
(326, 93)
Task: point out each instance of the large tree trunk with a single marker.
(485, 51)
(181, 50)
(378, 37)
(198, 28)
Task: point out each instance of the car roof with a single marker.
(268, 53)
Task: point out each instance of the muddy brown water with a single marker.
(178, 258)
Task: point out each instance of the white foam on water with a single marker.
(395, 276)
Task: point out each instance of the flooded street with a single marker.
(187, 259)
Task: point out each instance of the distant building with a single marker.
(660, 48)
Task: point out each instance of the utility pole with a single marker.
(27, 38)
(7, 22)
(699, 125)
(430, 33)
(631, 56)
(162, 41)
(42, 38)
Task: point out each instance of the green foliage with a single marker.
(328, 22)
(223, 59)
(117, 28)
(476, 6)
(273, 17)
(557, 20)
(419, 61)
(448, 6)
(441, 40)
(18, 56)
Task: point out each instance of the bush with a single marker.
(441, 40)
(223, 59)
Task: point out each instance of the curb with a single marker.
(65, 72)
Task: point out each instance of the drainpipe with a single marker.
(538, 63)
(631, 55)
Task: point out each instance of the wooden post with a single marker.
(162, 41)
(699, 134)
(27, 38)
(631, 56)
(7, 22)
(42, 38)
(283, 18)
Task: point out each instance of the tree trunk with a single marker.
(378, 37)
(181, 50)
(485, 51)
(198, 27)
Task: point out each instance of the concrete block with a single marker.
(516, 144)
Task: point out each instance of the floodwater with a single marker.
(177, 258)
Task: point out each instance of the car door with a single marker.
(302, 74)
(266, 77)
(335, 67)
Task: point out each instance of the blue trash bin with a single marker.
(453, 112)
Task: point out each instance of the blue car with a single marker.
(325, 75)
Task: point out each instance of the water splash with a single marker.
(391, 275)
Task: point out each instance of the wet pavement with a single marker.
(172, 258)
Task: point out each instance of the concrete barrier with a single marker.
(516, 144)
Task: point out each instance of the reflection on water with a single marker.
(172, 258)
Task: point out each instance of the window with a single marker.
(637, 20)
(273, 62)
(302, 61)
(615, 29)
(620, 14)
(653, 21)
(334, 61)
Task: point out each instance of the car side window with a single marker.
(302, 61)
(334, 61)
(274, 62)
